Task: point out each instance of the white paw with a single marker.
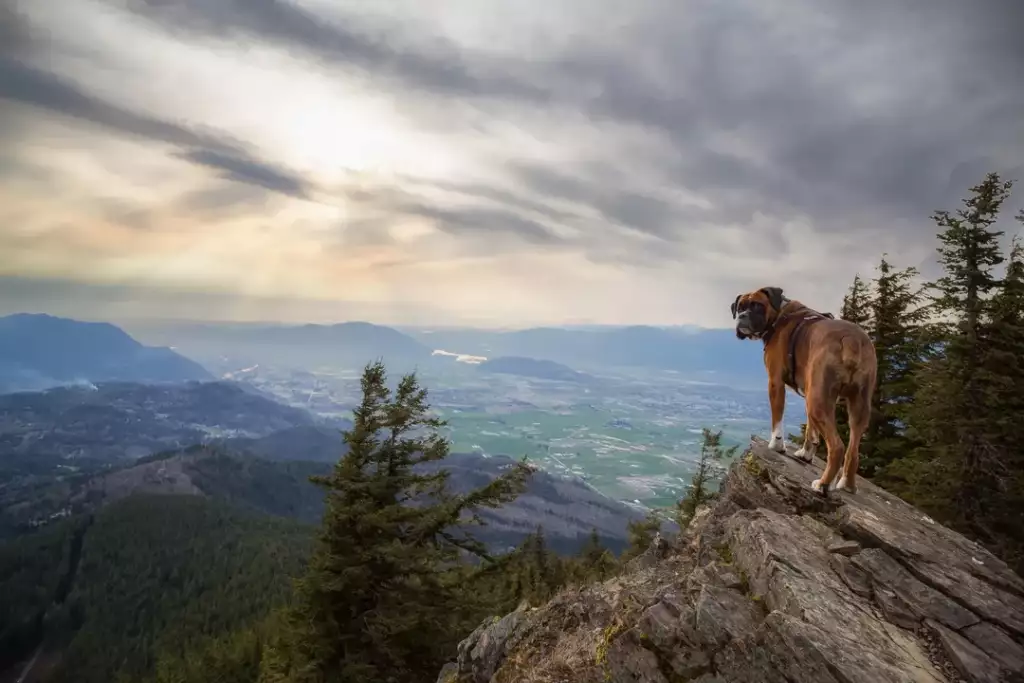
(802, 453)
(777, 444)
(844, 485)
(816, 485)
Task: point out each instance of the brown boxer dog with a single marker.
(823, 359)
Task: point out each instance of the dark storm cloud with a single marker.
(28, 85)
(23, 47)
(822, 153)
(786, 86)
(51, 93)
(24, 83)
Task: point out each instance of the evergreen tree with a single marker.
(541, 572)
(897, 317)
(700, 491)
(640, 534)
(1003, 367)
(531, 573)
(594, 562)
(956, 473)
(856, 307)
(386, 568)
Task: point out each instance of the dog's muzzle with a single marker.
(745, 326)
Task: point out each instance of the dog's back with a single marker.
(847, 351)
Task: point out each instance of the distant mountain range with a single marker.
(40, 351)
(350, 344)
(711, 353)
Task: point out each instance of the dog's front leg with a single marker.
(777, 398)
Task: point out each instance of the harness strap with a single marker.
(789, 372)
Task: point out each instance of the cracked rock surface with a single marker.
(775, 584)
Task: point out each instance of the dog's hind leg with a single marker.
(821, 409)
(859, 409)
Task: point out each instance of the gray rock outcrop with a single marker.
(775, 584)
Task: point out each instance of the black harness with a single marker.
(809, 318)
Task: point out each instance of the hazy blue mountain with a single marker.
(711, 353)
(532, 367)
(39, 351)
(351, 344)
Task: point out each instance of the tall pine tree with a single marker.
(958, 470)
(386, 568)
(1003, 369)
(897, 314)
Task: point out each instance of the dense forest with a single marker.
(182, 589)
(947, 429)
(144, 577)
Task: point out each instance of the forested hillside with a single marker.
(147, 576)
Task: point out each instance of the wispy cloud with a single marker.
(519, 162)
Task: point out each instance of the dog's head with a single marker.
(755, 312)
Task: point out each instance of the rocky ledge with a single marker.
(775, 584)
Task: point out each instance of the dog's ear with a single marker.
(735, 304)
(775, 297)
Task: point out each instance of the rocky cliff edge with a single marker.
(775, 584)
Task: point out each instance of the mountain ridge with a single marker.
(352, 343)
(684, 349)
(567, 508)
(38, 351)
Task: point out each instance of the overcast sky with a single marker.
(487, 162)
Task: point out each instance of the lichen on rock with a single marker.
(775, 583)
